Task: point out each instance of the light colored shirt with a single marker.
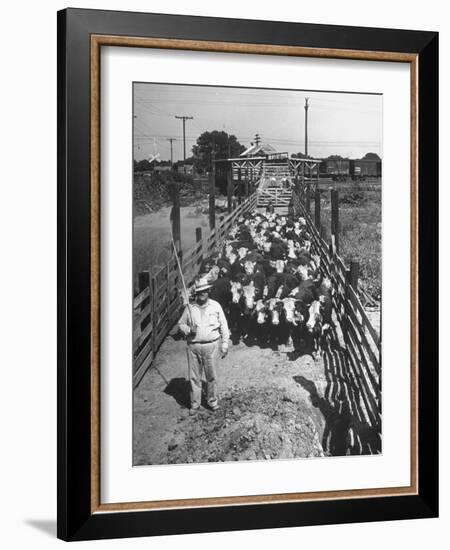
(209, 320)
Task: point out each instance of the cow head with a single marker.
(261, 312)
(236, 291)
(232, 257)
(249, 293)
(266, 246)
(228, 248)
(242, 252)
(274, 307)
(249, 267)
(302, 271)
(315, 316)
(278, 265)
(325, 286)
(289, 308)
(316, 260)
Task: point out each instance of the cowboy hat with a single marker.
(201, 285)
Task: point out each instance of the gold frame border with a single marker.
(97, 41)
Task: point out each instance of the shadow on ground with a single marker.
(46, 526)
(347, 431)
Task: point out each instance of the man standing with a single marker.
(206, 330)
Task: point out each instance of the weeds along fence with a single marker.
(158, 304)
(362, 343)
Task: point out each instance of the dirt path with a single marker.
(266, 409)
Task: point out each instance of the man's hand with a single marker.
(224, 352)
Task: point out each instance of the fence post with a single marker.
(198, 238)
(168, 291)
(239, 185)
(247, 177)
(308, 197)
(143, 283)
(154, 319)
(143, 280)
(335, 217)
(317, 209)
(175, 216)
(229, 188)
(354, 275)
(212, 195)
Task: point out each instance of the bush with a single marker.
(151, 190)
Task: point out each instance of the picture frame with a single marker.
(81, 35)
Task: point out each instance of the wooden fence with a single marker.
(157, 306)
(362, 343)
(274, 196)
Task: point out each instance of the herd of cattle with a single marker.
(269, 283)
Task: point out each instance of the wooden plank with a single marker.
(137, 301)
(140, 358)
(212, 195)
(143, 336)
(365, 320)
(175, 311)
(160, 293)
(363, 338)
(160, 274)
(335, 216)
(140, 372)
(369, 399)
(160, 337)
(352, 388)
(361, 404)
(175, 215)
(229, 189)
(373, 419)
(317, 208)
(146, 312)
(160, 306)
(353, 331)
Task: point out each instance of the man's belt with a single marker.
(210, 342)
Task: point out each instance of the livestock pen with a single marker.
(351, 397)
(158, 304)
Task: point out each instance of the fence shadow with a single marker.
(347, 431)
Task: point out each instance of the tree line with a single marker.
(218, 145)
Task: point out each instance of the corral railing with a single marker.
(157, 306)
(362, 342)
(276, 196)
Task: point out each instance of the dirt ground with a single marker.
(266, 408)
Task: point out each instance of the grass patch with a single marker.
(360, 233)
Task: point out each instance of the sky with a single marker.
(344, 124)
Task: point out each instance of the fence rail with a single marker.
(275, 196)
(158, 305)
(362, 343)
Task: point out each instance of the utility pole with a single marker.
(306, 125)
(184, 118)
(257, 139)
(171, 150)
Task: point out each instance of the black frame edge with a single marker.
(428, 124)
(61, 291)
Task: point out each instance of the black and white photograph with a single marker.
(257, 260)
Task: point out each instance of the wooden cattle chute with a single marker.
(274, 196)
(305, 169)
(361, 342)
(158, 305)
